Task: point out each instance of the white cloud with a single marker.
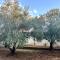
(31, 12)
(35, 11)
(0, 5)
(20, 4)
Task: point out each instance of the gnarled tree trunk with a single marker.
(51, 45)
(12, 50)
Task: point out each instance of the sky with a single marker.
(38, 7)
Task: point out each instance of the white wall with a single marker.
(42, 43)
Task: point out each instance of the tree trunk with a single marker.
(51, 45)
(12, 50)
(34, 41)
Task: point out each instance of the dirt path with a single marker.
(30, 55)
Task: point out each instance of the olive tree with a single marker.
(53, 31)
(10, 34)
(37, 32)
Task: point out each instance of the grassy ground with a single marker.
(24, 54)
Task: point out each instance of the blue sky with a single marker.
(41, 6)
(38, 7)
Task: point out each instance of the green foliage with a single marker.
(11, 24)
(17, 38)
(37, 34)
(53, 32)
(38, 30)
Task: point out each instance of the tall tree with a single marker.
(53, 28)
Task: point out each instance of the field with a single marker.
(24, 54)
